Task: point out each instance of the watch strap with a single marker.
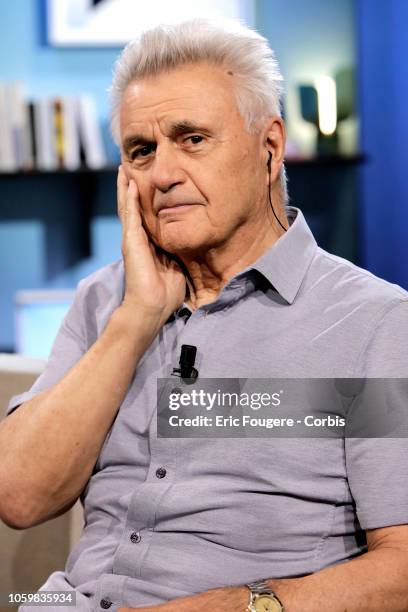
(258, 588)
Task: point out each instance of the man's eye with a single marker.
(142, 152)
(195, 139)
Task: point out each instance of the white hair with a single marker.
(258, 80)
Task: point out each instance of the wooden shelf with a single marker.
(59, 171)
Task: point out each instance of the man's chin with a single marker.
(187, 241)
(183, 247)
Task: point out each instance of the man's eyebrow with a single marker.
(176, 129)
(183, 127)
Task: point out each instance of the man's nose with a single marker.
(166, 170)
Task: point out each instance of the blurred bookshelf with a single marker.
(49, 133)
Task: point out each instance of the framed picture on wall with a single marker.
(111, 23)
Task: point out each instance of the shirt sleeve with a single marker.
(377, 467)
(70, 344)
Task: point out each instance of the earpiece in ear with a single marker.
(269, 161)
(269, 164)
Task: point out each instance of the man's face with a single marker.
(200, 175)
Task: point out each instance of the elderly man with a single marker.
(212, 257)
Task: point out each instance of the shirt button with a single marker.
(135, 537)
(105, 603)
(161, 472)
(176, 391)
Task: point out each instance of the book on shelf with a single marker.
(43, 130)
(49, 133)
(19, 125)
(8, 160)
(90, 133)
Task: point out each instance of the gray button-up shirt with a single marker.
(170, 517)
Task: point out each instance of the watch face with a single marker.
(266, 603)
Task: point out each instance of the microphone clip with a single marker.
(186, 363)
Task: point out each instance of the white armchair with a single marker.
(28, 557)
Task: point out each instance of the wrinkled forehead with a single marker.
(192, 92)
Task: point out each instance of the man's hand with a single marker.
(155, 284)
(228, 599)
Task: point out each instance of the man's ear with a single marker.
(275, 139)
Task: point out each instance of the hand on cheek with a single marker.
(154, 283)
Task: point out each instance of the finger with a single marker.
(122, 187)
(133, 215)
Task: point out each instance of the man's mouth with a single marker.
(176, 208)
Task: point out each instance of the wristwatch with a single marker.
(262, 598)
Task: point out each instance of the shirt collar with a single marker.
(285, 264)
